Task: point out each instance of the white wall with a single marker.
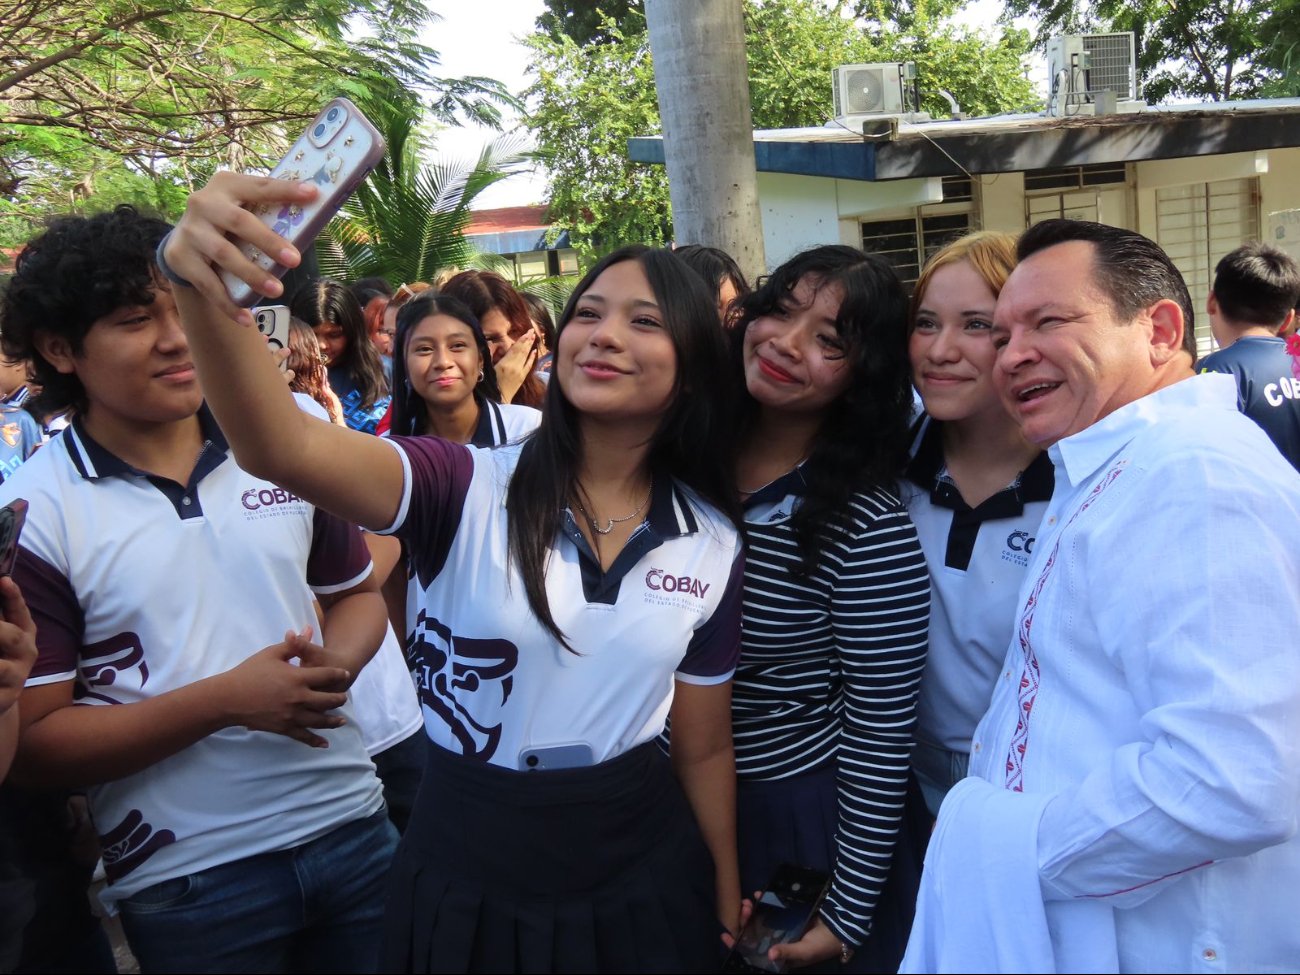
(803, 211)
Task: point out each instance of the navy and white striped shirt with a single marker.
(829, 670)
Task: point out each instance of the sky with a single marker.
(467, 48)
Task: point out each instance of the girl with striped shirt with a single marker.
(836, 598)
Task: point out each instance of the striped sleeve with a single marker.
(880, 609)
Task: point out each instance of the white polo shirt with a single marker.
(492, 681)
(977, 559)
(139, 586)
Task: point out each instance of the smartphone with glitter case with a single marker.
(336, 152)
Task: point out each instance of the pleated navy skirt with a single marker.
(794, 820)
(573, 870)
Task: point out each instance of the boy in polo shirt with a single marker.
(241, 821)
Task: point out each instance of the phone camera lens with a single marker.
(531, 760)
(333, 114)
(320, 130)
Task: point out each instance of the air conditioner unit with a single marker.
(1080, 66)
(874, 89)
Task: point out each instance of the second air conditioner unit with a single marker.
(1081, 67)
(888, 88)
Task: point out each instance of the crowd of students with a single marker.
(698, 581)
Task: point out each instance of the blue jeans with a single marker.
(937, 770)
(315, 908)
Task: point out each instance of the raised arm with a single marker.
(354, 475)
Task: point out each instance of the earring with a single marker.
(480, 376)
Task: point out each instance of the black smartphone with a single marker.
(782, 913)
(12, 517)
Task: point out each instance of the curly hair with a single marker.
(67, 278)
(862, 441)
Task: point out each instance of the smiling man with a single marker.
(241, 822)
(1135, 782)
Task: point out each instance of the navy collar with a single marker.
(490, 431)
(670, 516)
(1034, 484)
(790, 483)
(94, 461)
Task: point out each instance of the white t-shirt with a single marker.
(491, 680)
(139, 586)
(383, 697)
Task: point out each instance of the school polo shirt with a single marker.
(977, 559)
(138, 586)
(492, 681)
(1268, 388)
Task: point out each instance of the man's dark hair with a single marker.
(368, 289)
(1256, 285)
(1132, 271)
(67, 278)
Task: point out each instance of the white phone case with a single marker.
(336, 152)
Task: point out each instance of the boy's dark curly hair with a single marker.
(76, 272)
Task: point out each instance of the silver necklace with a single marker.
(609, 525)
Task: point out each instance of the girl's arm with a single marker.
(353, 475)
(880, 613)
(705, 763)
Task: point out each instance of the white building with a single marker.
(1198, 179)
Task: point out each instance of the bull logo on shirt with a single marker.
(117, 662)
(464, 681)
(12, 434)
(130, 843)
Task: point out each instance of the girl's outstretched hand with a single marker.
(215, 224)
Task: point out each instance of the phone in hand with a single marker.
(782, 914)
(336, 152)
(273, 322)
(12, 517)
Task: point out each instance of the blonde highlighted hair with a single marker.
(991, 253)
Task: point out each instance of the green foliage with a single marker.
(406, 222)
(587, 102)
(584, 21)
(1203, 49)
(168, 91)
(589, 99)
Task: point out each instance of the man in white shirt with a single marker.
(1145, 732)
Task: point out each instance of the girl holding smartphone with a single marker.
(836, 599)
(567, 593)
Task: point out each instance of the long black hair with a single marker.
(409, 411)
(329, 301)
(862, 441)
(690, 443)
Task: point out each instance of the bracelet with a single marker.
(163, 268)
(846, 953)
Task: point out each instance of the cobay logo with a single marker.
(255, 499)
(660, 581)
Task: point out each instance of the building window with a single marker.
(1197, 224)
(908, 241)
(1069, 192)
